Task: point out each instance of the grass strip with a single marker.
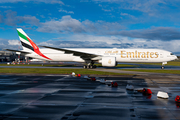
(56, 65)
(56, 71)
(155, 71)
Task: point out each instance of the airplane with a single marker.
(107, 57)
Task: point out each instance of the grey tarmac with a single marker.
(63, 97)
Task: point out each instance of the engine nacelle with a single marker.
(109, 61)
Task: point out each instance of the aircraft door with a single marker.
(161, 55)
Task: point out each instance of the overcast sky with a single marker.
(92, 23)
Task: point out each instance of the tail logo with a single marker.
(32, 46)
(36, 49)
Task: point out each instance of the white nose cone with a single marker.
(130, 87)
(162, 95)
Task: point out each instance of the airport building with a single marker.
(7, 56)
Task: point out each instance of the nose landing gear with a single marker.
(163, 64)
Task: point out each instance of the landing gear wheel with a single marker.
(162, 67)
(88, 66)
(91, 66)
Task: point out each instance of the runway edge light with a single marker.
(161, 94)
(73, 74)
(114, 84)
(177, 99)
(129, 87)
(78, 75)
(103, 81)
(86, 77)
(147, 91)
(93, 79)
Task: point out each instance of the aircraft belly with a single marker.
(140, 60)
(35, 56)
(62, 57)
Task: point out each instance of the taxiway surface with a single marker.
(137, 66)
(59, 97)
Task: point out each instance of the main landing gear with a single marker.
(89, 66)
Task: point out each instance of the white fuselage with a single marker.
(122, 55)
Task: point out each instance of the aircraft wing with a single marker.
(83, 55)
(18, 51)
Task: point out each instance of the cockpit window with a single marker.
(171, 54)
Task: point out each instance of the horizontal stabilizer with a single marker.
(17, 51)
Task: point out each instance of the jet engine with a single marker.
(109, 61)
